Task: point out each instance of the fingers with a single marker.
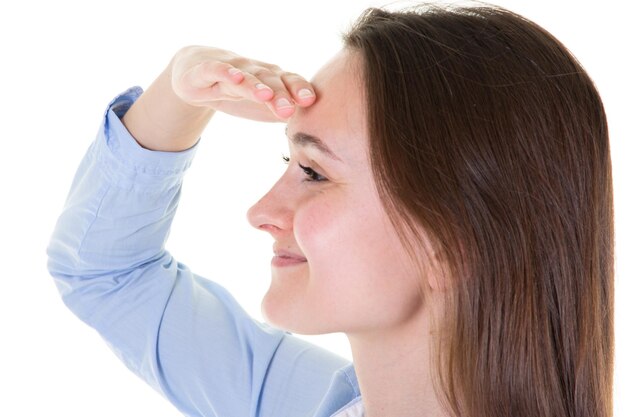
(251, 86)
(301, 90)
(210, 81)
(264, 83)
(211, 77)
(290, 91)
(196, 84)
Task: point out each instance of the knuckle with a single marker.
(238, 61)
(291, 76)
(263, 72)
(271, 67)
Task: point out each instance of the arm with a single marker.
(183, 334)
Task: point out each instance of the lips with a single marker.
(283, 257)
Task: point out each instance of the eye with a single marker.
(311, 174)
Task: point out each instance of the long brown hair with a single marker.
(488, 135)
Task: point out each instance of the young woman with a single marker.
(447, 204)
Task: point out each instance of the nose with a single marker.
(273, 213)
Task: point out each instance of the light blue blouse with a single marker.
(183, 334)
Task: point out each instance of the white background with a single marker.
(62, 61)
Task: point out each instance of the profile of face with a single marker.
(339, 264)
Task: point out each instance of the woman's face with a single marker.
(339, 264)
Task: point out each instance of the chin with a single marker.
(277, 317)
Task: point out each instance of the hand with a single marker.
(225, 81)
(172, 113)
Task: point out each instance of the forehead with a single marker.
(339, 71)
(338, 115)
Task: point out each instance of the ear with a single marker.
(437, 280)
(437, 268)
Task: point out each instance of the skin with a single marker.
(339, 265)
(356, 277)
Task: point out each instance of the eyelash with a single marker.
(311, 174)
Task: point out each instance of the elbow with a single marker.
(71, 281)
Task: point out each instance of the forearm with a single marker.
(161, 121)
(117, 215)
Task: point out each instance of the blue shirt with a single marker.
(183, 334)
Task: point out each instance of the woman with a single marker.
(447, 204)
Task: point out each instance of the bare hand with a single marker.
(243, 87)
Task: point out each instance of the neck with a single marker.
(393, 370)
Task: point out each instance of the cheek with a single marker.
(355, 255)
(324, 231)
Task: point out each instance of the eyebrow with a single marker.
(304, 140)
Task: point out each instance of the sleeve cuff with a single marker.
(124, 157)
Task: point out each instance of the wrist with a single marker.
(161, 121)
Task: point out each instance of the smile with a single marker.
(284, 258)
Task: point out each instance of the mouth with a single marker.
(283, 258)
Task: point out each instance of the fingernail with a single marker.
(262, 86)
(282, 103)
(305, 93)
(234, 71)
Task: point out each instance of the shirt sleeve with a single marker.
(185, 335)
